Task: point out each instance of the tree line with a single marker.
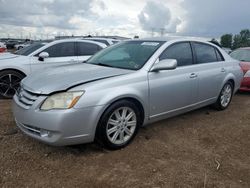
(236, 41)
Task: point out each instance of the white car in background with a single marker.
(39, 56)
(107, 41)
(23, 45)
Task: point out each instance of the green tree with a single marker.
(242, 39)
(226, 40)
(236, 41)
(245, 36)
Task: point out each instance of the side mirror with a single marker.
(165, 64)
(43, 55)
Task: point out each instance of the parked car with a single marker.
(243, 55)
(22, 45)
(2, 47)
(38, 56)
(10, 44)
(107, 41)
(123, 87)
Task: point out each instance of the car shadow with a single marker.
(145, 133)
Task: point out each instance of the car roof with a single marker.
(89, 38)
(175, 39)
(244, 48)
(78, 40)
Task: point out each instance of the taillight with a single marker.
(243, 69)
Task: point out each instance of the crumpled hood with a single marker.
(8, 55)
(64, 77)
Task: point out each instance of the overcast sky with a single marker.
(206, 18)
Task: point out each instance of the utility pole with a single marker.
(162, 31)
(152, 32)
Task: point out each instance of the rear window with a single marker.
(219, 56)
(241, 55)
(205, 53)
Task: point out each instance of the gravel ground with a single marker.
(204, 148)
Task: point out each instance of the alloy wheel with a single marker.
(121, 125)
(226, 95)
(9, 84)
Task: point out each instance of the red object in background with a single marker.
(2, 50)
(243, 55)
(245, 84)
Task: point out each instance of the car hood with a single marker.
(7, 55)
(62, 78)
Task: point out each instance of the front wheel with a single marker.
(9, 83)
(225, 97)
(118, 125)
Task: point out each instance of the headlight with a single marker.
(63, 100)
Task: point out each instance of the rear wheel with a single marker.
(9, 83)
(225, 97)
(118, 125)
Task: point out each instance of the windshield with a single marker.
(29, 49)
(241, 55)
(126, 55)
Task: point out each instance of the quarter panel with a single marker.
(234, 72)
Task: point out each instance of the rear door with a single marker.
(85, 50)
(173, 90)
(210, 71)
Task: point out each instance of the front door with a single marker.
(173, 90)
(59, 54)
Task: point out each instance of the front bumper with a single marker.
(57, 127)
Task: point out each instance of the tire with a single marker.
(9, 83)
(122, 120)
(225, 97)
(19, 48)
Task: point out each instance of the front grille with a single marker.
(26, 98)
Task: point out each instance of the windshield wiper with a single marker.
(105, 65)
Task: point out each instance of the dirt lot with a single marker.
(204, 148)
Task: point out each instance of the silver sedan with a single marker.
(123, 87)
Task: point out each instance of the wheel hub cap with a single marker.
(9, 84)
(226, 95)
(121, 125)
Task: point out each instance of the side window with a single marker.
(219, 56)
(85, 48)
(182, 52)
(205, 53)
(64, 49)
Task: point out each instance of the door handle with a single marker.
(193, 75)
(223, 70)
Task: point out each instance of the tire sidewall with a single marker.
(219, 99)
(101, 134)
